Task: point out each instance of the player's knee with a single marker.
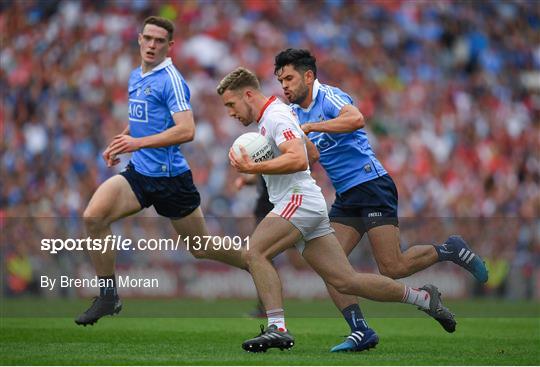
(243, 257)
(94, 221)
(199, 254)
(394, 270)
(252, 256)
(343, 287)
(342, 284)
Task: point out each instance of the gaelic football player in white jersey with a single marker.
(299, 214)
(366, 196)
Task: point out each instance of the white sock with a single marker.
(415, 296)
(277, 317)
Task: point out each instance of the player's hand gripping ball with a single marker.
(257, 147)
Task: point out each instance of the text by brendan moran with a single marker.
(65, 281)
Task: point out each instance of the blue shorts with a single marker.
(367, 205)
(173, 197)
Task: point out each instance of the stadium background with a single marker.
(450, 92)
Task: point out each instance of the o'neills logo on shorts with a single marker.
(374, 214)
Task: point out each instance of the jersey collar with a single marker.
(316, 87)
(163, 65)
(270, 100)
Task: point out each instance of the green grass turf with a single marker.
(132, 339)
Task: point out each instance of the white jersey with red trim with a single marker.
(279, 123)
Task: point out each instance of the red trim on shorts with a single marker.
(290, 209)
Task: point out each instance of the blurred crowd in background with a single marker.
(450, 91)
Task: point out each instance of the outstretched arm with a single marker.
(349, 119)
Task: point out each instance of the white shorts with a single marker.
(307, 212)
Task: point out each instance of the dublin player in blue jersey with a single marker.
(158, 175)
(366, 197)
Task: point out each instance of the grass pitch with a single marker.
(488, 333)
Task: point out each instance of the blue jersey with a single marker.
(347, 157)
(153, 98)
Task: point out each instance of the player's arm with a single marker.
(292, 159)
(349, 119)
(111, 159)
(183, 131)
(312, 151)
(125, 131)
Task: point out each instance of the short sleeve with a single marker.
(176, 92)
(284, 128)
(334, 101)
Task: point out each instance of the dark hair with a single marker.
(160, 22)
(238, 79)
(301, 60)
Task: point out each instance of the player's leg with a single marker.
(327, 258)
(113, 200)
(380, 212)
(263, 206)
(362, 337)
(395, 264)
(296, 260)
(349, 231)
(271, 237)
(348, 237)
(178, 199)
(391, 261)
(193, 225)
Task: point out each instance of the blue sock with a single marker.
(444, 252)
(109, 290)
(354, 317)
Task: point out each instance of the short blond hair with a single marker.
(238, 79)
